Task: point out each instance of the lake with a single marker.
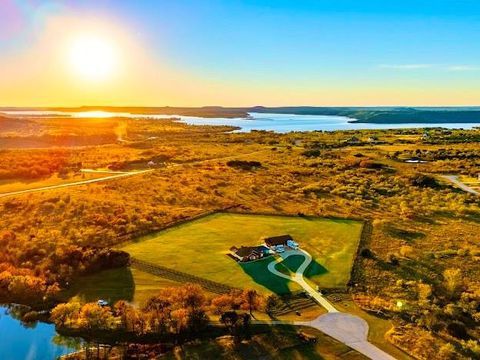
(281, 123)
(284, 123)
(38, 341)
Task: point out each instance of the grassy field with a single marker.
(199, 248)
(117, 284)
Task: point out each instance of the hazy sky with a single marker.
(191, 53)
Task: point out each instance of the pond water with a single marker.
(37, 341)
(281, 123)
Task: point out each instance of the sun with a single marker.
(93, 58)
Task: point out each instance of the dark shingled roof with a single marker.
(249, 250)
(246, 250)
(278, 240)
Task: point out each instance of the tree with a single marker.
(406, 251)
(458, 330)
(119, 310)
(452, 281)
(237, 325)
(179, 321)
(197, 321)
(93, 317)
(253, 300)
(229, 319)
(424, 291)
(65, 314)
(271, 304)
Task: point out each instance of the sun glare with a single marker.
(93, 58)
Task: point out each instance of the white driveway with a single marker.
(298, 276)
(349, 329)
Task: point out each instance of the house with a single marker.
(249, 253)
(278, 243)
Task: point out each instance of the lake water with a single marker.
(281, 123)
(38, 341)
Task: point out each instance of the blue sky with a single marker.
(303, 36)
(304, 45)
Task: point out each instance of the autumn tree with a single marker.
(65, 314)
(452, 280)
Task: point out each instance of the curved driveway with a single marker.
(349, 329)
(298, 276)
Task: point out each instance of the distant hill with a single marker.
(384, 115)
(377, 115)
(205, 111)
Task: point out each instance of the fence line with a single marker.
(178, 276)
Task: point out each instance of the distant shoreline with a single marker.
(372, 115)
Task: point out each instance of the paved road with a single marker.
(454, 179)
(93, 171)
(349, 329)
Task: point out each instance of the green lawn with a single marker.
(117, 284)
(199, 247)
(291, 264)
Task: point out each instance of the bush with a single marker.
(367, 253)
(457, 329)
(392, 259)
(424, 181)
(244, 165)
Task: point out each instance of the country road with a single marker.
(349, 329)
(76, 183)
(116, 175)
(454, 180)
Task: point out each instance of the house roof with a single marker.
(278, 240)
(249, 250)
(246, 251)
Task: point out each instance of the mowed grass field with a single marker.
(200, 247)
(117, 284)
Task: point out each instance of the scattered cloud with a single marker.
(457, 68)
(405, 66)
(463, 68)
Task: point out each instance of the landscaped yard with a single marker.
(199, 248)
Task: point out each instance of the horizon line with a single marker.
(234, 107)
